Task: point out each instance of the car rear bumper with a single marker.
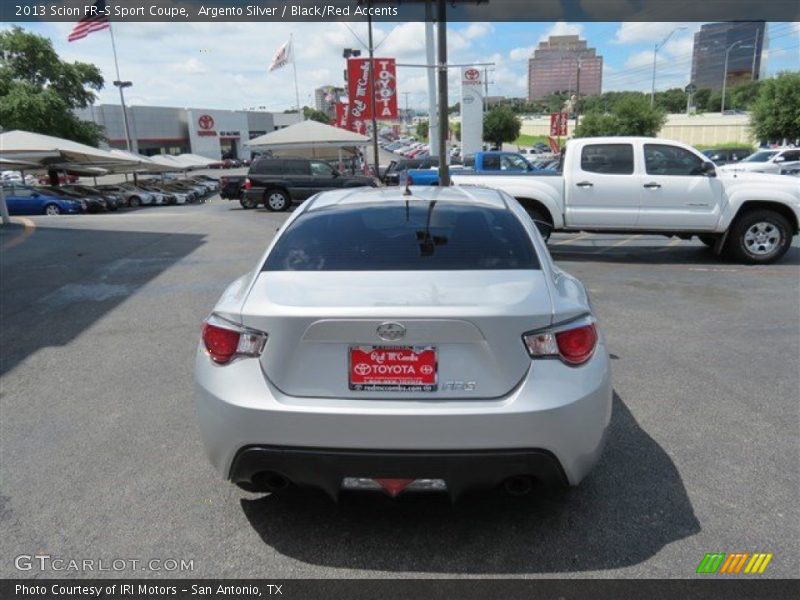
(553, 423)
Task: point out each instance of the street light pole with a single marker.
(372, 101)
(725, 74)
(444, 122)
(656, 48)
(121, 84)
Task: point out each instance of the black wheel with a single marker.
(708, 240)
(541, 221)
(248, 203)
(52, 209)
(277, 200)
(134, 202)
(759, 237)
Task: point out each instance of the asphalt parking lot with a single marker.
(101, 458)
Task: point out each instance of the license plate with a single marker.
(393, 368)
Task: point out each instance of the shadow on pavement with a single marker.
(58, 282)
(628, 508)
(691, 255)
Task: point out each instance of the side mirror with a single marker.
(35, 194)
(780, 159)
(708, 169)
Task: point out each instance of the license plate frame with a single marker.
(427, 356)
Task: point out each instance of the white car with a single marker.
(404, 342)
(655, 186)
(766, 161)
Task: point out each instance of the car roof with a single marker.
(465, 194)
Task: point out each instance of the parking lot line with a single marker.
(618, 243)
(671, 244)
(18, 239)
(569, 240)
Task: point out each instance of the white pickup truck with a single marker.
(649, 185)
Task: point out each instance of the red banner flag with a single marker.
(363, 101)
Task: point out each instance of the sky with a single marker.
(224, 65)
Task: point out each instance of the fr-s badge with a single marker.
(460, 386)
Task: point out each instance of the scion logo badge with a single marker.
(391, 332)
(734, 563)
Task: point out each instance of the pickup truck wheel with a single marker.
(277, 200)
(759, 237)
(246, 204)
(541, 222)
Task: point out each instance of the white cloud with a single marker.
(478, 30)
(563, 28)
(641, 32)
(523, 53)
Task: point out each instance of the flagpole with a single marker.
(294, 67)
(120, 84)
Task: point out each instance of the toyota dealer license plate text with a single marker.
(393, 368)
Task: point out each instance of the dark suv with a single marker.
(277, 182)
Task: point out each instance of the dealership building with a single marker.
(207, 132)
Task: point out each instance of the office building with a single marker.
(744, 43)
(554, 68)
(325, 99)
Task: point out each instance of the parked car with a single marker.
(278, 182)
(767, 161)
(412, 388)
(191, 194)
(132, 197)
(26, 200)
(724, 156)
(166, 196)
(397, 168)
(158, 198)
(230, 187)
(655, 186)
(113, 201)
(90, 203)
(211, 182)
(62, 178)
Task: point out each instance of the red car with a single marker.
(62, 179)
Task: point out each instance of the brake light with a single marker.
(573, 343)
(225, 340)
(247, 184)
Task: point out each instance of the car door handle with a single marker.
(652, 185)
(583, 184)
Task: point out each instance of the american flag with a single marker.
(282, 57)
(96, 21)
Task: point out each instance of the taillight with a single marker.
(574, 343)
(247, 184)
(225, 340)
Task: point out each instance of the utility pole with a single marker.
(372, 100)
(578, 93)
(755, 51)
(121, 85)
(430, 60)
(656, 48)
(444, 122)
(725, 76)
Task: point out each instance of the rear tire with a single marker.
(247, 203)
(52, 209)
(541, 222)
(277, 200)
(759, 237)
(134, 202)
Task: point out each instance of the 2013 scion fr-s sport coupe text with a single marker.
(404, 341)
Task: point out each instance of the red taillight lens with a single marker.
(573, 343)
(247, 184)
(224, 340)
(577, 345)
(221, 343)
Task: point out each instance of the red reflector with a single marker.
(394, 486)
(576, 345)
(247, 184)
(221, 343)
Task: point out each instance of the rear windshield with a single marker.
(418, 235)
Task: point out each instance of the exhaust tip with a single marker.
(519, 485)
(270, 482)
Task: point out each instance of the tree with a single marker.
(631, 115)
(422, 130)
(775, 115)
(39, 91)
(743, 96)
(672, 101)
(501, 125)
(316, 115)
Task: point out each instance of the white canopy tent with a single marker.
(141, 163)
(195, 161)
(57, 153)
(170, 162)
(315, 138)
